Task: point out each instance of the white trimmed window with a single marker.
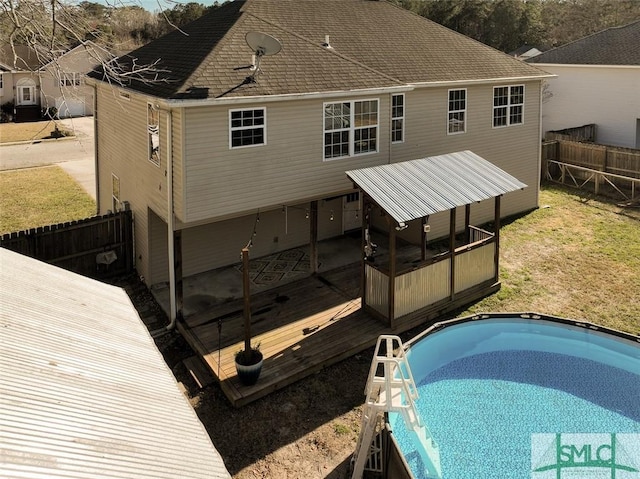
(115, 193)
(508, 105)
(247, 127)
(71, 79)
(457, 116)
(350, 128)
(153, 133)
(397, 118)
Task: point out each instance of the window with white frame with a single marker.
(247, 127)
(153, 133)
(397, 118)
(71, 79)
(350, 128)
(115, 193)
(457, 116)
(508, 105)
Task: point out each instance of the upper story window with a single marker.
(247, 127)
(71, 79)
(508, 105)
(153, 133)
(457, 116)
(397, 118)
(115, 193)
(350, 128)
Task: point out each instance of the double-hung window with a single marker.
(153, 133)
(247, 127)
(508, 105)
(70, 79)
(457, 116)
(350, 128)
(397, 118)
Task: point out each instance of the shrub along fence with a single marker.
(99, 247)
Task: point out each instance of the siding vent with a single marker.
(326, 43)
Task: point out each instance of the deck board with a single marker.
(301, 327)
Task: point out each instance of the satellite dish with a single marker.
(263, 44)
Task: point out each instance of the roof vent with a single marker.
(326, 43)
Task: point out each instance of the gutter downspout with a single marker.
(170, 240)
(95, 147)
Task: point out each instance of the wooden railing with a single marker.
(430, 282)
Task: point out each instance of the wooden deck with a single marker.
(301, 327)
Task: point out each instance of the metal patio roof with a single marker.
(413, 189)
(84, 392)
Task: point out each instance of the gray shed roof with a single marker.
(84, 392)
(417, 188)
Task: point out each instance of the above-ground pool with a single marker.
(490, 388)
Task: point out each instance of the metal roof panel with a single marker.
(84, 392)
(417, 188)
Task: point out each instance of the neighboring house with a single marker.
(84, 390)
(525, 52)
(35, 81)
(211, 146)
(598, 81)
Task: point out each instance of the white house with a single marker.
(598, 81)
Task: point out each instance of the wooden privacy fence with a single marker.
(578, 133)
(98, 247)
(612, 166)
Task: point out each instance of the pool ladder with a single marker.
(391, 388)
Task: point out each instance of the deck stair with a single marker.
(391, 388)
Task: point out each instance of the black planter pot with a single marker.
(249, 369)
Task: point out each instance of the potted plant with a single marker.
(249, 359)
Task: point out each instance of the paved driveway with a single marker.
(75, 155)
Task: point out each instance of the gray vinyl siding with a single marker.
(121, 130)
(219, 244)
(515, 149)
(222, 182)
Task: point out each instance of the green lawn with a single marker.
(35, 197)
(575, 257)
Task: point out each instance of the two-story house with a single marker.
(597, 81)
(36, 80)
(208, 135)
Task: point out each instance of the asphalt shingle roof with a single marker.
(374, 44)
(613, 46)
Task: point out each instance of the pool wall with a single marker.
(395, 464)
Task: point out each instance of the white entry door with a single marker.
(351, 215)
(26, 95)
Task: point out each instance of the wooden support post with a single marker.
(467, 223)
(423, 239)
(246, 292)
(177, 268)
(313, 237)
(366, 225)
(392, 274)
(496, 239)
(452, 251)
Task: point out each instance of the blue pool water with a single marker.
(486, 386)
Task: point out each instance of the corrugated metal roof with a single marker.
(84, 392)
(417, 188)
